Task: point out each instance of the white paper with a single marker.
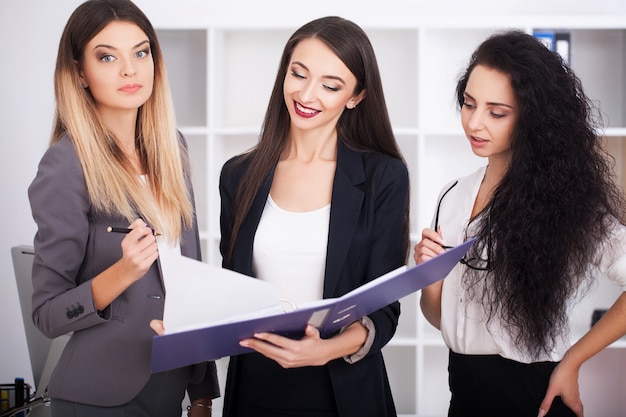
(198, 294)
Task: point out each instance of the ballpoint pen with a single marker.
(112, 229)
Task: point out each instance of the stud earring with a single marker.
(83, 85)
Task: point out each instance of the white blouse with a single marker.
(463, 321)
(290, 251)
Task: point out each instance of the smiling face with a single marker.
(489, 112)
(118, 69)
(318, 86)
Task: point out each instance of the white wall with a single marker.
(29, 34)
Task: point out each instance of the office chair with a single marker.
(44, 353)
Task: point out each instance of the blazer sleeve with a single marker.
(387, 249)
(226, 216)
(60, 207)
(229, 179)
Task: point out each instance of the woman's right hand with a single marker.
(139, 250)
(430, 246)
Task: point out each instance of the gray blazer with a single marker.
(107, 359)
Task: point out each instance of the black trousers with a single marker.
(490, 385)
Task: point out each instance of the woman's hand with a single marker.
(308, 351)
(311, 350)
(564, 383)
(430, 246)
(139, 249)
(157, 326)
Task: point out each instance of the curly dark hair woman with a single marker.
(544, 211)
(549, 211)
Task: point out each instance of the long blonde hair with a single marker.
(166, 204)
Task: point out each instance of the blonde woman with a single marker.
(115, 159)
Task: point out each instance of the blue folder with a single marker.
(184, 348)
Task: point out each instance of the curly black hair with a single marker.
(556, 202)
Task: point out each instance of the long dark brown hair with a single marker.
(366, 127)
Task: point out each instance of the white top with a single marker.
(463, 321)
(290, 251)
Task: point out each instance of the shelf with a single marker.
(222, 71)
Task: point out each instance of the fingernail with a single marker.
(542, 413)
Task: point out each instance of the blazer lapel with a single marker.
(245, 240)
(346, 202)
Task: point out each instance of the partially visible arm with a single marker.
(202, 392)
(564, 379)
(227, 215)
(64, 301)
(430, 300)
(430, 303)
(388, 248)
(611, 261)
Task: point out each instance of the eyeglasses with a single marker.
(478, 264)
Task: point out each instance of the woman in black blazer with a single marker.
(319, 207)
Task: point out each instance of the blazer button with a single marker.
(70, 314)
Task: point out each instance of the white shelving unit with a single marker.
(221, 77)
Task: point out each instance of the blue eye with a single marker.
(107, 58)
(143, 54)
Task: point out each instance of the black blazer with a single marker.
(366, 239)
(107, 360)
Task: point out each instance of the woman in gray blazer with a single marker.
(115, 159)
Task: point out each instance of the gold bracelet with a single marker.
(209, 406)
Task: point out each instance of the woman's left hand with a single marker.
(289, 353)
(563, 383)
(157, 326)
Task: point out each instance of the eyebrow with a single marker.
(490, 103)
(331, 77)
(102, 45)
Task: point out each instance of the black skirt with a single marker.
(490, 385)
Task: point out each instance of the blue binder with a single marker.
(175, 350)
